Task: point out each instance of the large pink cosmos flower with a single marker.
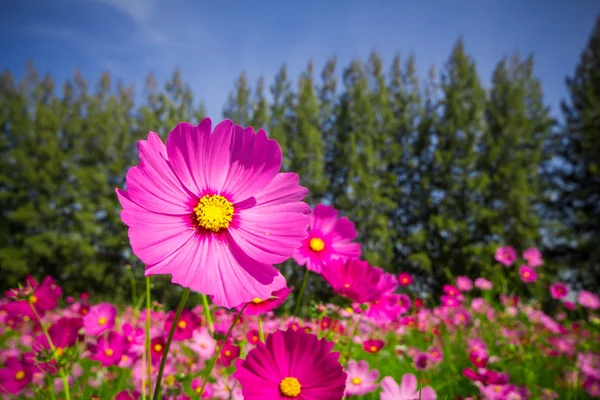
(354, 279)
(292, 364)
(15, 376)
(329, 238)
(100, 318)
(212, 210)
(407, 390)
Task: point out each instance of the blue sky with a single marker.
(214, 40)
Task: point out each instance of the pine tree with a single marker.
(575, 175)
(239, 103)
(260, 112)
(281, 109)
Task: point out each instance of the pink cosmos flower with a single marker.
(187, 323)
(506, 255)
(588, 300)
(203, 343)
(464, 283)
(15, 376)
(282, 368)
(259, 307)
(208, 392)
(407, 390)
(329, 237)
(373, 345)
(483, 284)
(229, 352)
(360, 380)
(109, 350)
(528, 274)
(533, 257)
(405, 279)
(100, 318)
(450, 301)
(354, 279)
(43, 297)
(558, 290)
(451, 290)
(211, 209)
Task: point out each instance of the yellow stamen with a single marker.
(373, 349)
(182, 324)
(170, 380)
(109, 352)
(346, 285)
(255, 338)
(20, 375)
(316, 244)
(33, 299)
(256, 300)
(102, 321)
(214, 213)
(227, 353)
(290, 387)
(158, 347)
(356, 381)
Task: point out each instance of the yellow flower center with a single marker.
(182, 324)
(316, 244)
(346, 285)
(227, 353)
(256, 300)
(373, 349)
(102, 321)
(59, 351)
(255, 338)
(526, 274)
(20, 375)
(356, 381)
(109, 352)
(214, 213)
(405, 280)
(290, 387)
(349, 310)
(198, 389)
(123, 358)
(33, 299)
(158, 347)
(170, 380)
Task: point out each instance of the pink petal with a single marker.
(283, 189)
(255, 161)
(324, 219)
(153, 236)
(408, 386)
(428, 393)
(186, 147)
(391, 390)
(344, 228)
(210, 265)
(152, 184)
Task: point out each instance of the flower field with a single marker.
(211, 209)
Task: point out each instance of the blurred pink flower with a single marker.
(506, 255)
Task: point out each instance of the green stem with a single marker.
(261, 333)
(301, 293)
(213, 361)
(63, 376)
(351, 340)
(147, 339)
(163, 361)
(133, 286)
(211, 327)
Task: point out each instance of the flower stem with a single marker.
(163, 361)
(63, 376)
(301, 293)
(133, 286)
(213, 361)
(351, 339)
(211, 327)
(147, 340)
(261, 333)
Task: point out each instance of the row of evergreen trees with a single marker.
(436, 173)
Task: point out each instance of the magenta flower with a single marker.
(407, 390)
(260, 307)
(186, 324)
(588, 300)
(506, 255)
(212, 210)
(558, 290)
(354, 279)
(483, 284)
(451, 290)
(450, 301)
(329, 237)
(283, 368)
(109, 350)
(360, 380)
(229, 352)
(533, 257)
(15, 376)
(373, 345)
(128, 395)
(528, 274)
(100, 318)
(405, 279)
(43, 297)
(464, 283)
